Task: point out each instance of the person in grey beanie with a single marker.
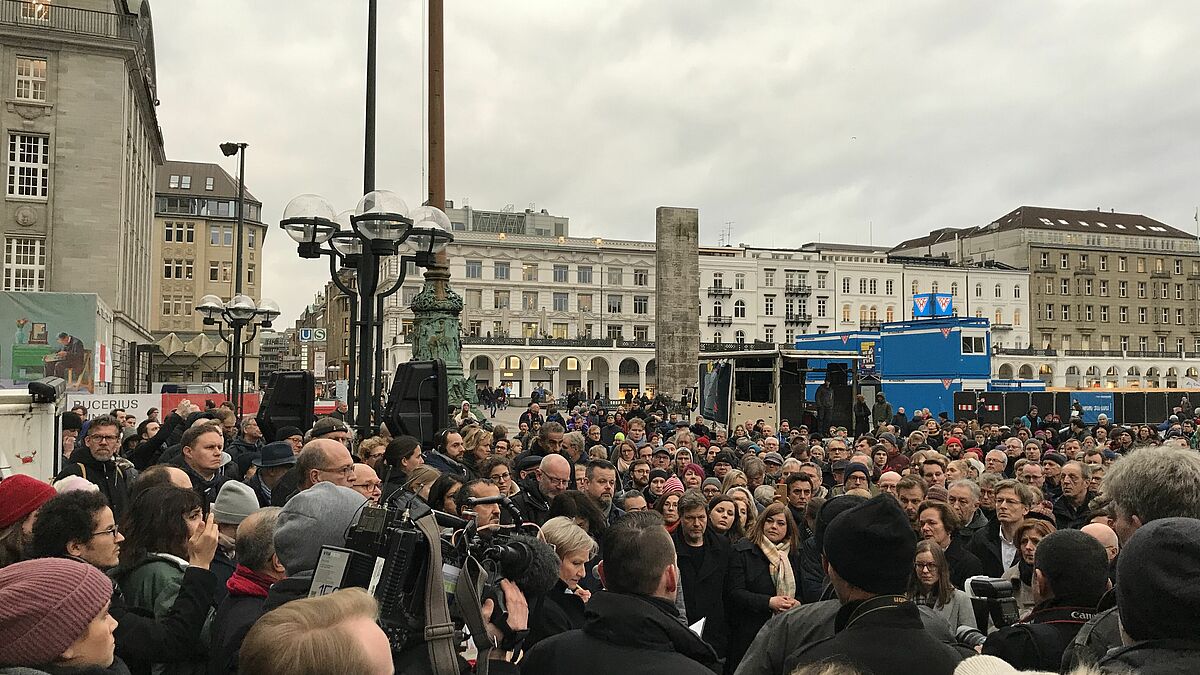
(234, 502)
(316, 517)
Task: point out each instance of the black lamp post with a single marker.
(382, 226)
(229, 150)
(238, 314)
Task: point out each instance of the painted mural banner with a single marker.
(65, 335)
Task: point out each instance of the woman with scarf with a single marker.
(1030, 533)
(762, 577)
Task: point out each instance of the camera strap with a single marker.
(469, 596)
(439, 628)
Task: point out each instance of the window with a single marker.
(226, 271)
(616, 275)
(1016, 317)
(1141, 289)
(560, 274)
(500, 271)
(474, 328)
(769, 305)
(1164, 315)
(769, 333)
(1104, 313)
(214, 235)
(641, 277)
(529, 329)
(1064, 261)
(250, 238)
(529, 301)
(173, 182)
(529, 272)
(1103, 263)
(954, 289)
(214, 271)
(614, 304)
(500, 300)
(31, 79)
(845, 284)
(718, 279)
(740, 337)
(1104, 288)
(718, 308)
(560, 302)
(249, 273)
(1179, 317)
(1178, 266)
(933, 287)
(717, 337)
(1163, 293)
(1141, 315)
(739, 309)
(1050, 312)
(874, 287)
(474, 298)
(474, 269)
(1087, 286)
(862, 286)
(1122, 264)
(585, 302)
(1087, 313)
(615, 332)
(1178, 291)
(28, 165)
(1124, 342)
(821, 308)
(888, 287)
(1123, 314)
(972, 344)
(1142, 346)
(1016, 292)
(641, 333)
(822, 279)
(185, 182)
(1122, 289)
(24, 264)
(1065, 286)
(1083, 261)
(1045, 260)
(584, 274)
(208, 183)
(979, 290)
(1049, 286)
(789, 336)
(845, 312)
(188, 269)
(641, 304)
(739, 281)
(768, 278)
(1066, 312)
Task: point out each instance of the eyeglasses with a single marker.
(105, 437)
(372, 485)
(921, 567)
(500, 476)
(1008, 502)
(112, 531)
(558, 481)
(344, 470)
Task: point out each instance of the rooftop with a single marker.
(224, 185)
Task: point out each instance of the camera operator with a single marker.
(483, 514)
(633, 625)
(1070, 574)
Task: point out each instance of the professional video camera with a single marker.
(432, 571)
(994, 600)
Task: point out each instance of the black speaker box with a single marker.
(418, 403)
(836, 374)
(287, 403)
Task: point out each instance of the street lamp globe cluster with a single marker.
(381, 226)
(238, 314)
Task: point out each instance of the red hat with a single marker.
(46, 604)
(953, 441)
(21, 495)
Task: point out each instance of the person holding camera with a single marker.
(1070, 575)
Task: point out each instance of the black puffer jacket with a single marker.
(105, 475)
(1155, 657)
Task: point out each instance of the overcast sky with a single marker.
(795, 121)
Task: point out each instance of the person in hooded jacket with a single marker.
(95, 462)
(632, 625)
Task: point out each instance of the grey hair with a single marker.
(256, 542)
(1084, 469)
(1003, 456)
(575, 439)
(1154, 483)
(969, 484)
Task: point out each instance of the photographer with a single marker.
(1070, 574)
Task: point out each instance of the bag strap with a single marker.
(439, 628)
(469, 597)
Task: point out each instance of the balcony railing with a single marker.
(720, 321)
(795, 319)
(797, 289)
(1085, 269)
(719, 292)
(1025, 352)
(73, 20)
(870, 325)
(1002, 326)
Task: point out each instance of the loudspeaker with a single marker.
(836, 374)
(418, 403)
(288, 402)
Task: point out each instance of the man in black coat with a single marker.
(533, 501)
(703, 562)
(868, 554)
(95, 462)
(633, 625)
(257, 569)
(1070, 574)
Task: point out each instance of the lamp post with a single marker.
(238, 314)
(229, 150)
(360, 241)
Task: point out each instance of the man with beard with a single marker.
(553, 477)
(703, 562)
(94, 461)
(600, 484)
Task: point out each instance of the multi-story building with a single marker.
(272, 353)
(1113, 296)
(194, 254)
(508, 220)
(83, 142)
(765, 294)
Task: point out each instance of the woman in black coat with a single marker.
(758, 587)
(561, 609)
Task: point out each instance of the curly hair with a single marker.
(69, 517)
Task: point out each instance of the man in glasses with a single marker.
(94, 461)
(553, 477)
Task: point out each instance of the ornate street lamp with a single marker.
(238, 314)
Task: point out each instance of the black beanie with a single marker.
(831, 509)
(1157, 597)
(872, 546)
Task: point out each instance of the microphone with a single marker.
(448, 520)
(501, 500)
(530, 563)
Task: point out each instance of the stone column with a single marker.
(641, 378)
(676, 323)
(526, 387)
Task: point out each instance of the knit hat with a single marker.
(660, 473)
(618, 437)
(75, 484)
(1155, 596)
(872, 546)
(984, 664)
(71, 421)
(285, 433)
(673, 484)
(21, 495)
(937, 493)
(953, 440)
(711, 481)
(696, 469)
(328, 425)
(1055, 457)
(46, 604)
(889, 437)
(724, 456)
(235, 501)
(830, 510)
(316, 517)
(856, 467)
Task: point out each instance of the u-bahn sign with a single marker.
(312, 334)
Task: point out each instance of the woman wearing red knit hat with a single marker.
(20, 498)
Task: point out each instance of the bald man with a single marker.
(1106, 536)
(325, 460)
(553, 476)
(887, 482)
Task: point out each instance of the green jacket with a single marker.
(151, 584)
(881, 413)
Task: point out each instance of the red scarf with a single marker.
(247, 582)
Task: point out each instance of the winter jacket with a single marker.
(1154, 657)
(107, 476)
(748, 592)
(234, 617)
(557, 611)
(703, 578)
(147, 453)
(882, 637)
(294, 587)
(208, 488)
(624, 634)
(1039, 641)
(446, 465)
(881, 412)
(117, 668)
(1069, 517)
(985, 544)
(963, 564)
(152, 585)
(532, 504)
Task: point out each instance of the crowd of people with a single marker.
(188, 544)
